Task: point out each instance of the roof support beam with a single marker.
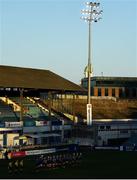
(21, 104)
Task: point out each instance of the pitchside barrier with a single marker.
(69, 148)
(117, 148)
(106, 148)
(128, 148)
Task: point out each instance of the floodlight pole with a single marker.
(89, 62)
(92, 15)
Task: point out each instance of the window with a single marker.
(124, 131)
(106, 91)
(101, 127)
(108, 127)
(120, 93)
(99, 91)
(7, 89)
(134, 91)
(113, 92)
(92, 91)
(127, 92)
(15, 89)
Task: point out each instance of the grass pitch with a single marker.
(94, 165)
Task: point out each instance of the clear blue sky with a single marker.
(49, 34)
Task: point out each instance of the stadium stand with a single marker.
(30, 109)
(28, 118)
(57, 113)
(6, 112)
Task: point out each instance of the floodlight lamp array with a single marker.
(92, 13)
(93, 4)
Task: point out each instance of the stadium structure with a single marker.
(120, 90)
(33, 106)
(119, 87)
(26, 116)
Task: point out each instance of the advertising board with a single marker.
(42, 151)
(18, 154)
(41, 123)
(107, 148)
(13, 124)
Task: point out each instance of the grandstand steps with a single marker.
(9, 101)
(57, 114)
(7, 112)
(30, 109)
(39, 104)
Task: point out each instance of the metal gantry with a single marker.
(90, 14)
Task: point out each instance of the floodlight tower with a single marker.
(91, 14)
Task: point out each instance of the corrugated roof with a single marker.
(18, 77)
(114, 78)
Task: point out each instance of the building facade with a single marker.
(116, 131)
(119, 87)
